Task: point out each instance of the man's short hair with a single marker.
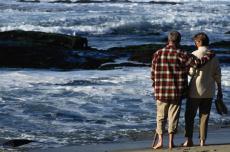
(174, 36)
(202, 37)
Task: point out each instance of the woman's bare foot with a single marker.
(171, 145)
(202, 143)
(171, 141)
(188, 143)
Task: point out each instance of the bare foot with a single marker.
(188, 143)
(155, 139)
(202, 143)
(158, 146)
(171, 146)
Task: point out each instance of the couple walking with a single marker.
(169, 72)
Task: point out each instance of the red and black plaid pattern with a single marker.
(169, 72)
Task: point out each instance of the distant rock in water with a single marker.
(222, 44)
(16, 142)
(74, 1)
(141, 53)
(52, 39)
(64, 1)
(30, 49)
(30, 1)
(101, 1)
(227, 32)
(164, 2)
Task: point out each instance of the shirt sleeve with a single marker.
(154, 58)
(186, 59)
(192, 61)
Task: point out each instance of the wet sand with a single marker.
(218, 141)
(208, 148)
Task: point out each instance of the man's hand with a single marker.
(208, 56)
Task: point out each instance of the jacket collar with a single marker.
(203, 48)
(172, 46)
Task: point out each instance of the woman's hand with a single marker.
(219, 95)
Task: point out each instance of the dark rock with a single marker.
(94, 1)
(80, 1)
(224, 60)
(62, 1)
(30, 1)
(227, 32)
(90, 59)
(14, 54)
(141, 53)
(16, 142)
(221, 44)
(164, 2)
(48, 50)
(29, 49)
(51, 39)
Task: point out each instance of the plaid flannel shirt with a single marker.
(169, 72)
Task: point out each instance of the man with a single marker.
(169, 71)
(201, 91)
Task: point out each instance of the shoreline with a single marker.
(217, 140)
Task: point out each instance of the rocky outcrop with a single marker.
(16, 143)
(221, 44)
(48, 50)
(164, 2)
(30, 1)
(141, 53)
(105, 1)
(42, 38)
(29, 49)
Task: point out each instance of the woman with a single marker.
(201, 91)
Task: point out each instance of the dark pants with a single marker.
(204, 105)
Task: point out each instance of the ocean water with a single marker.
(58, 108)
(118, 22)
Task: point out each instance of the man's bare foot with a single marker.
(202, 143)
(159, 145)
(159, 139)
(188, 143)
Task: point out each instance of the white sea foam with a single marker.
(130, 0)
(96, 19)
(60, 107)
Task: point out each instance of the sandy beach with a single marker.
(208, 148)
(218, 141)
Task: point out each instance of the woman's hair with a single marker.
(202, 37)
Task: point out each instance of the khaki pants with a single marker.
(170, 110)
(192, 105)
